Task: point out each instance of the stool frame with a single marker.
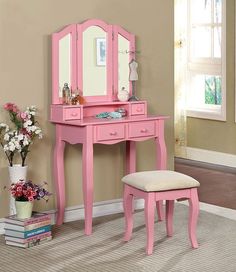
(152, 198)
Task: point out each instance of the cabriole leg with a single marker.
(149, 210)
(193, 216)
(128, 211)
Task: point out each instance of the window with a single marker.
(206, 59)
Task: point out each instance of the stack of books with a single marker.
(28, 232)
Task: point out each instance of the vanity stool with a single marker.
(158, 185)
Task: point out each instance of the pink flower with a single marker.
(22, 115)
(19, 189)
(11, 107)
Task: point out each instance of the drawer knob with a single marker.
(139, 109)
(74, 114)
(113, 133)
(144, 130)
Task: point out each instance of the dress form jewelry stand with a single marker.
(133, 76)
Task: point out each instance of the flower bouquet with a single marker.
(28, 191)
(24, 193)
(20, 137)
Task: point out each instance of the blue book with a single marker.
(27, 234)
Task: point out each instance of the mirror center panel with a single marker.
(94, 61)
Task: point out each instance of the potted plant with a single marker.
(24, 193)
(19, 137)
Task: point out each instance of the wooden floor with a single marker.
(218, 184)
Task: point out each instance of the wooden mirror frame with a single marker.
(76, 58)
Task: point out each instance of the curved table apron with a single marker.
(93, 131)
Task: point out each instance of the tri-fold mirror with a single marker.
(92, 58)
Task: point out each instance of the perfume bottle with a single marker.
(66, 94)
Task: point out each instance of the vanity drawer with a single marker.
(142, 129)
(72, 113)
(110, 132)
(138, 109)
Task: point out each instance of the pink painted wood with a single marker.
(86, 132)
(77, 125)
(88, 178)
(56, 37)
(150, 198)
(108, 29)
(59, 174)
(117, 30)
(161, 163)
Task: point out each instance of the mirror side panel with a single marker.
(63, 61)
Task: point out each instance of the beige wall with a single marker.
(216, 135)
(25, 78)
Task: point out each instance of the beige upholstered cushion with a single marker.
(160, 180)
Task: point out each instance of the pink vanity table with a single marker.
(78, 60)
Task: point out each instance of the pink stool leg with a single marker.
(149, 210)
(128, 208)
(160, 210)
(169, 217)
(193, 216)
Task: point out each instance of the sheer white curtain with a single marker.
(180, 77)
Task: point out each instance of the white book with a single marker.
(29, 244)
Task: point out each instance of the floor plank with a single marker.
(218, 186)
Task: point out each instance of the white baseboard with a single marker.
(221, 211)
(115, 206)
(99, 209)
(209, 156)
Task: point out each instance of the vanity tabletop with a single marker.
(100, 121)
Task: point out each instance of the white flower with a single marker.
(2, 125)
(12, 147)
(27, 123)
(33, 128)
(5, 148)
(6, 137)
(17, 146)
(20, 137)
(33, 108)
(25, 142)
(38, 131)
(28, 129)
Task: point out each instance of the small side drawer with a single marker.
(72, 113)
(142, 129)
(138, 109)
(110, 132)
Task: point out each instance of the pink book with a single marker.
(36, 217)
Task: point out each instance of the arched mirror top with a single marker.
(94, 22)
(92, 58)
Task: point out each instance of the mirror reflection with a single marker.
(64, 62)
(93, 59)
(123, 63)
(94, 62)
